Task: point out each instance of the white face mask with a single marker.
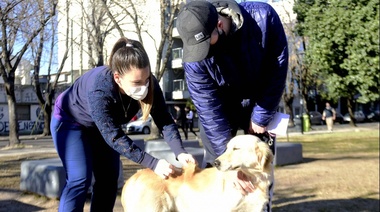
(139, 92)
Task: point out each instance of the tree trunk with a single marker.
(14, 140)
(288, 110)
(352, 117)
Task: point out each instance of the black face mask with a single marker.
(220, 45)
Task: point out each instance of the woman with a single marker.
(86, 126)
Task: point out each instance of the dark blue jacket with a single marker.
(94, 101)
(243, 81)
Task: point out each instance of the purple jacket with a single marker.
(245, 80)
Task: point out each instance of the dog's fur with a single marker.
(209, 189)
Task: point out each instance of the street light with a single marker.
(300, 54)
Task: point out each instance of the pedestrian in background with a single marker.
(329, 116)
(190, 121)
(180, 120)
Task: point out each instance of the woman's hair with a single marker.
(127, 54)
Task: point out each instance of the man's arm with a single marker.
(275, 60)
(203, 90)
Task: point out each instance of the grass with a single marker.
(337, 142)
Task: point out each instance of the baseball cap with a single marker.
(195, 23)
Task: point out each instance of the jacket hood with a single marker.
(231, 9)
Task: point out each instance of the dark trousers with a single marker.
(183, 127)
(84, 152)
(189, 127)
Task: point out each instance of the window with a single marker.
(177, 53)
(23, 112)
(179, 85)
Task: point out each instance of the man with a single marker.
(329, 115)
(180, 120)
(235, 69)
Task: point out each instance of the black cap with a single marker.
(195, 23)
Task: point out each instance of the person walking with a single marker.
(87, 133)
(235, 57)
(180, 120)
(190, 121)
(329, 116)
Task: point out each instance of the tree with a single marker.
(21, 22)
(289, 24)
(343, 48)
(46, 94)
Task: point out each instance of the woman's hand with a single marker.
(164, 169)
(185, 158)
(243, 184)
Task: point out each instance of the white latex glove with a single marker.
(185, 158)
(164, 169)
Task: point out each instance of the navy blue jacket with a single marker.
(243, 81)
(94, 102)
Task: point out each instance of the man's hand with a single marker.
(243, 184)
(164, 169)
(254, 128)
(185, 158)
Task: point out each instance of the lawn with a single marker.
(340, 172)
(338, 142)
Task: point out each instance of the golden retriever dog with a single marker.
(211, 189)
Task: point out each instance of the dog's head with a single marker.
(246, 153)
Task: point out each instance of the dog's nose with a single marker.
(217, 163)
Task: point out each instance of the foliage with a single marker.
(343, 47)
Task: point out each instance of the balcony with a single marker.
(177, 58)
(180, 89)
(175, 33)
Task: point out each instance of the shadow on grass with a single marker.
(337, 205)
(14, 205)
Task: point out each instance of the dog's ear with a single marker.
(264, 155)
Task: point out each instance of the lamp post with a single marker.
(300, 63)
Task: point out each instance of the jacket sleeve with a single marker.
(275, 60)
(203, 90)
(165, 122)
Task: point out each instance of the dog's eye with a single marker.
(236, 148)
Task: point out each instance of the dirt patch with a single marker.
(323, 182)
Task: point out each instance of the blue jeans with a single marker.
(84, 152)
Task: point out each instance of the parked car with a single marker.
(139, 126)
(339, 118)
(358, 115)
(316, 118)
(373, 115)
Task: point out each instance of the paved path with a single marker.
(38, 144)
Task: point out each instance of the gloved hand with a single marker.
(164, 169)
(185, 158)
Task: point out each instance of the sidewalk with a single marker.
(44, 144)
